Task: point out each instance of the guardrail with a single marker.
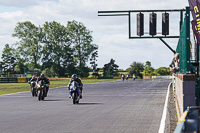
(189, 121)
(8, 80)
(161, 77)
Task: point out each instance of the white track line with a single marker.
(164, 115)
(14, 93)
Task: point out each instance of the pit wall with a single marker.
(184, 91)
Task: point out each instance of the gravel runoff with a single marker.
(171, 120)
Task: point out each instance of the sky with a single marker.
(109, 33)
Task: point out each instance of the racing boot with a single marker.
(45, 94)
(81, 95)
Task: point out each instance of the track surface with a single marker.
(112, 107)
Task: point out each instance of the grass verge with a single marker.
(7, 88)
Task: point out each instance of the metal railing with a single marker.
(189, 121)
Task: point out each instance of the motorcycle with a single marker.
(33, 88)
(75, 91)
(42, 89)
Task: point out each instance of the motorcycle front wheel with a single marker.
(40, 96)
(43, 94)
(36, 92)
(74, 97)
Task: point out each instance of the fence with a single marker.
(183, 47)
(185, 84)
(8, 80)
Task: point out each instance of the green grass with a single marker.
(7, 88)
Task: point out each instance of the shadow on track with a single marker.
(89, 103)
(53, 100)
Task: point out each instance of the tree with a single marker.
(57, 53)
(20, 65)
(1, 66)
(136, 68)
(110, 69)
(81, 41)
(69, 64)
(49, 72)
(29, 45)
(148, 64)
(59, 48)
(8, 59)
(162, 71)
(93, 63)
(148, 70)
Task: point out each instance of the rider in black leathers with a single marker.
(46, 80)
(75, 78)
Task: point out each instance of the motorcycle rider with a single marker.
(75, 78)
(46, 80)
(32, 79)
(134, 77)
(127, 76)
(123, 76)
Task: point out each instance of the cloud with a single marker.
(22, 3)
(127, 51)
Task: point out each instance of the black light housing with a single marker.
(140, 24)
(152, 23)
(165, 23)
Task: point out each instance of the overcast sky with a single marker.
(109, 33)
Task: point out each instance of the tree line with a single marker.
(52, 48)
(141, 69)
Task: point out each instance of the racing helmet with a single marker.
(74, 76)
(42, 75)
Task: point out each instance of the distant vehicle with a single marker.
(123, 77)
(127, 76)
(75, 91)
(134, 77)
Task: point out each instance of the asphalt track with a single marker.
(112, 107)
